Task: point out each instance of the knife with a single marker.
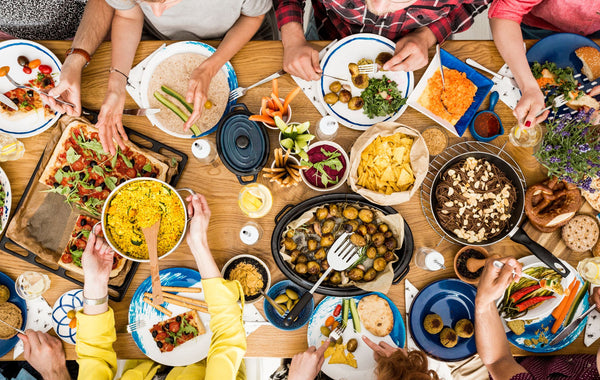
(14, 328)
(572, 326)
(141, 111)
(6, 100)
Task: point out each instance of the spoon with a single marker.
(151, 236)
(270, 300)
(474, 264)
(439, 55)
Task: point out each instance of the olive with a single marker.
(30, 93)
(22, 60)
(178, 318)
(92, 182)
(84, 198)
(159, 344)
(166, 326)
(154, 333)
(301, 268)
(122, 180)
(132, 160)
(83, 222)
(103, 186)
(56, 184)
(153, 175)
(325, 331)
(66, 168)
(352, 345)
(15, 100)
(81, 175)
(46, 82)
(93, 163)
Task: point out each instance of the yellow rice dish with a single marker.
(139, 205)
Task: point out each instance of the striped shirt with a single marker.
(576, 367)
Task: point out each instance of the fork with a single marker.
(337, 333)
(556, 102)
(368, 68)
(241, 91)
(136, 325)
(18, 85)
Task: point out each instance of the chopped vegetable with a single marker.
(531, 302)
(381, 97)
(290, 97)
(516, 296)
(194, 128)
(582, 293)
(355, 317)
(563, 314)
(557, 310)
(276, 88)
(329, 321)
(4, 70)
(346, 307)
(337, 310)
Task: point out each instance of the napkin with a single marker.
(252, 319)
(38, 318)
(135, 77)
(506, 87)
(592, 327)
(311, 88)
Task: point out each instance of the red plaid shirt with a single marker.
(341, 18)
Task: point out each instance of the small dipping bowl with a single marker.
(486, 125)
(460, 263)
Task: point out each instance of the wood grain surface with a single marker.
(256, 61)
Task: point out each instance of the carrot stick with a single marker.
(277, 113)
(269, 112)
(271, 104)
(262, 118)
(276, 88)
(289, 98)
(563, 314)
(277, 102)
(263, 106)
(556, 312)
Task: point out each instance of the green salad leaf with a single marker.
(382, 97)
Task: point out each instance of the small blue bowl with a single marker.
(493, 100)
(274, 317)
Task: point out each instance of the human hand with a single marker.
(595, 91)
(197, 92)
(494, 280)
(411, 51)
(595, 297)
(68, 90)
(299, 57)
(45, 353)
(532, 101)
(199, 213)
(306, 365)
(110, 123)
(382, 349)
(97, 263)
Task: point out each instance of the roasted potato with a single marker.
(294, 255)
(331, 98)
(378, 264)
(377, 239)
(356, 103)
(320, 254)
(334, 210)
(356, 274)
(290, 233)
(327, 240)
(364, 61)
(328, 226)
(388, 234)
(381, 250)
(360, 81)
(383, 228)
(335, 86)
(391, 243)
(321, 213)
(301, 268)
(365, 215)
(382, 58)
(324, 265)
(389, 256)
(358, 240)
(302, 259)
(312, 244)
(362, 230)
(350, 213)
(313, 267)
(371, 252)
(371, 228)
(370, 274)
(335, 278)
(345, 96)
(350, 226)
(353, 68)
(289, 244)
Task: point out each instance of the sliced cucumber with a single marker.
(345, 310)
(355, 317)
(177, 96)
(194, 128)
(301, 128)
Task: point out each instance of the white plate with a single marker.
(5, 212)
(335, 62)
(9, 51)
(171, 50)
(546, 307)
(188, 353)
(71, 300)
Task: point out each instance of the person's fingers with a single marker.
(521, 110)
(33, 337)
(311, 349)
(114, 135)
(506, 276)
(26, 345)
(121, 131)
(542, 117)
(204, 203)
(315, 61)
(44, 338)
(189, 95)
(595, 91)
(321, 350)
(385, 345)
(372, 345)
(96, 229)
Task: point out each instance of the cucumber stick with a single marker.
(345, 310)
(177, 96)
(355, 317)
(578, 298)
(182, 115)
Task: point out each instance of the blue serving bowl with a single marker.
(275, 318)
(493, 101)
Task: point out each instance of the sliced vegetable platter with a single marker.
(331, 306)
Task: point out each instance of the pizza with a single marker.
(80, 170)
(28, 103)
(71, 257)
(43, 82)
(177, 330)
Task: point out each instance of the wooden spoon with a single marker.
(474, 264)
(151, 236)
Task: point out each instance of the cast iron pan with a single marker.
(513, 229)
(291, 212)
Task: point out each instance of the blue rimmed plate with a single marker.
(9, 51)
(71, 300)
(560, 49)
(484, 85)
(188, 353)
(335, 62)
(363, 354)
(7, 344)
(5, 210)
(193, 47)
(452, 300)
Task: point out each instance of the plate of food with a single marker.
(454, 105)
(182, 335)
(64, 320)
(441, 320)
(13, 310)
(560, 49)
(534, 335)
(361, 100)
(5, 200)
(327, 166)
(252, 273)
(164, 85)
(31, 64)
(373, 315)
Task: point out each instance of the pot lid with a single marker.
(243, 143)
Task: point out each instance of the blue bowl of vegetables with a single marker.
(275, 318)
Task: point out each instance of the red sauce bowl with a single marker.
(486, 125)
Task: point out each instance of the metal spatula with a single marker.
(341, 255)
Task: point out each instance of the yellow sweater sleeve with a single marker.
(95, 336)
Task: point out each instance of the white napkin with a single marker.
(38, 318)
(135, 77)
(252, 319)
(506, 87)
(311, 88)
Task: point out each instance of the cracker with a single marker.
(11, 314)
(376, 315)
(581, 233)
(593, 198)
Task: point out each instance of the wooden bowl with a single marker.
(482, 250)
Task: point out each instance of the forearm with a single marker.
(291, 34)
(95, 289)
(60, 373)
(206, 263)
(126, 33)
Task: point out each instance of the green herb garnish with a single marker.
(332, 162)
(382, 97)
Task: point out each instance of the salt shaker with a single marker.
(429, 259)
(327, 129)
(205, 151)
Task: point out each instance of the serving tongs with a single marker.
(552, 285)
(341, 255)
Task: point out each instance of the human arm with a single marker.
(307, 365)
(490, 338)
(126, 32)
(92, 30)
(411, 51)
(240, 33)
(45, 353)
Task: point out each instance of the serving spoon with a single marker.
(151, 236)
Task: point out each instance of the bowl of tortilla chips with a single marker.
(388, 163)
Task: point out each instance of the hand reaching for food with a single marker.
(68, 90)
(306, 365)
(532, 101)
(110, 124)
(380, 350)
(299, 57)
(97, 262)
(197, 92)
(411, 51)
(494, 280)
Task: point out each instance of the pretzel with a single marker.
(551, 204)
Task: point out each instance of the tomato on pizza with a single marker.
(177, 330)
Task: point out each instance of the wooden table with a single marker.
(254, 62)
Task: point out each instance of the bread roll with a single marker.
(590, 58)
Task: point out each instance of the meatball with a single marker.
(448, 337)
(464, 328)
(433, 323)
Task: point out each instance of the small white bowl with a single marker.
(346, 172)
(288, 116)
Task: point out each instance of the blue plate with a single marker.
(275, 318)
(452, 300)
(560, 49)
(7, 344)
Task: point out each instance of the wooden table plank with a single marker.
(254, 62)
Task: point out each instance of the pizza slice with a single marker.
(28, 102)
(43, 82)
(177, 330)
(71, 257)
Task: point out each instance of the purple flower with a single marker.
(583, 148)
(554, 160)
(565, 134)
(569, 168)
(548, 148)
(570, 151)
